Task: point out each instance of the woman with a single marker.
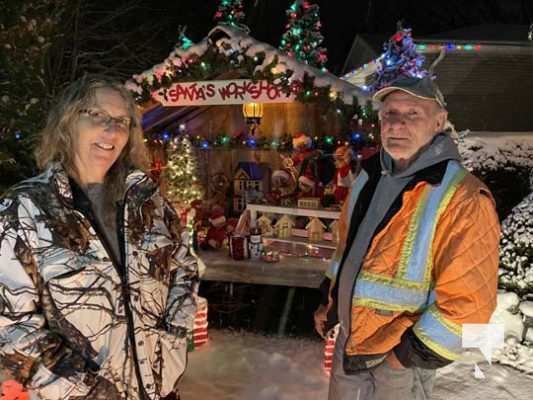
(97, 283)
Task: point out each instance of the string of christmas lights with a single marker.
(283, 143)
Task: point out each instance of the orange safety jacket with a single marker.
(432, 268)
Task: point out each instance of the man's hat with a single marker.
(423, 88)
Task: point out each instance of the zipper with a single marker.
(126, 293)
(122, 270)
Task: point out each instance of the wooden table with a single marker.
(290, 271)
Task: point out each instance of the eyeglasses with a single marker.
(103, 119)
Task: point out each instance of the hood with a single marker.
(441, 148)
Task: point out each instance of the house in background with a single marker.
(485, 76)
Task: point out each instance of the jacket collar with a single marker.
(432, 174)
(56, 174)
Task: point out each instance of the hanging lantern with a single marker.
(253, 112)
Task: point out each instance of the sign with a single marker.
(208, 93)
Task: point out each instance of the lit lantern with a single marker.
(253, 112)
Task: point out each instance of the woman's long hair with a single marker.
(58, 136)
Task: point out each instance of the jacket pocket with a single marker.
(82, 301)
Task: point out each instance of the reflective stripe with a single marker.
(439, 334)
(420, 260)
(413, 228)
(386, 296)
(410, 286)
(357, 186)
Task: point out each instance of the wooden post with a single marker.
(286, 311)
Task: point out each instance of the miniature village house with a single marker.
(315, 229)
(283, 227)
(265, 225)
(249, 183)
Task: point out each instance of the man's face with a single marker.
(408, 124)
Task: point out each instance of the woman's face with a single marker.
(102, 133)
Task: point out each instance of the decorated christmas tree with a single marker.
(399, 58)
(302, 37)
(230, 12)
(180, 174)
(516, 250)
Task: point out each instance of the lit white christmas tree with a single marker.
(183, 186)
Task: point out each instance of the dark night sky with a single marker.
(341, 19)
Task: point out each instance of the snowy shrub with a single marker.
(516, 250)
(504, 164)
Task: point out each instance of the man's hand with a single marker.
(321, 316)
(393, 361)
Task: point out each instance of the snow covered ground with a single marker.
(247, 366)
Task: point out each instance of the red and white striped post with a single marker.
(329, 348)
(200, 335)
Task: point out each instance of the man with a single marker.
(417, 257)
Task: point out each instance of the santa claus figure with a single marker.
(283, 185)
(303, 160)
(343, 175)
(217, 229)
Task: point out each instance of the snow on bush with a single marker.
(504, 163)
(516, 250)
(511, 154)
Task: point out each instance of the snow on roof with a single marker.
(229, 40)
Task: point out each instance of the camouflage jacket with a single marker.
(73, 323)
